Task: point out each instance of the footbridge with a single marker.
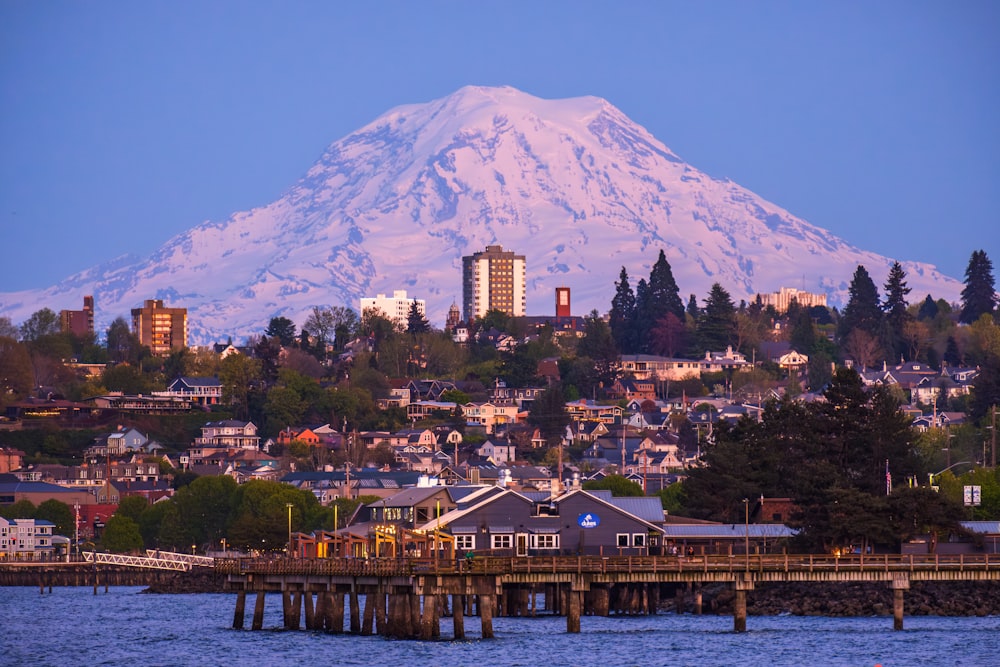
(153, 560)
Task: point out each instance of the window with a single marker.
(639, 540)
(545, 541)
(502, 541)
(622, 539)
(465, 543)
(422, 515)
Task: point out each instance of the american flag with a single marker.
(888, 479)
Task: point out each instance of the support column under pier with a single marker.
(457, 616)
(241, 603)
(573, 611)
(486, 603)
(381, 625)
(258, 612)
(368, 623)
(355, 613)
(337, 614)
(899, 584)
(741, 586)
(307, 601)
(429, 618)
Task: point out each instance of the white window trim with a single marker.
(538, 541)
(502, 541)
(627, 541)
(465, 542)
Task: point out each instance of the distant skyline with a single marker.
(125, 124)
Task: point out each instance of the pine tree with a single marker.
(692, 308)
(895, 308)
(979, 296)
(643, 322)
(664, 295)
(622, 316)
(862, 311)
(416, 323)
(928, 309)
(717, 324)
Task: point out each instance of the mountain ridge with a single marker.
(573, 185)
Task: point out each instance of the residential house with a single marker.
(422, 409)
(658, 369)
(222, 436)
(10, 459)
(628, 389)
(490, 415)
(197, 390)
(587, 410)
(498, 452)
(120, 442)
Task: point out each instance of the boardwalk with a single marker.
(571, 585)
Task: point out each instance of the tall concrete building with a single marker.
(783, 298)
(396, 308)
(160, 329)
(493, 280)
(78, 322)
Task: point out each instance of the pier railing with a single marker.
(490, 565)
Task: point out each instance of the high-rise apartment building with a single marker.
(160, 329)
(78, 322)
(396, 308)
(783, 298)
(493, 280)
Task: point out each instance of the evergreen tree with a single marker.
(642, 324)
(664, 295)
(952, 355)
(692, 308)
(863, 311)
(979, 296)
(717, 325)
(622, 314)
(803, 333)
(549, 415)
(896, 314)
(928, 309)
(416, 323)
(283, 329)
(598, 346)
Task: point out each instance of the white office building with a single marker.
(396, 308)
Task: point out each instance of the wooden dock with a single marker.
(405, 598)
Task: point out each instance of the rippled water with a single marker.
(123, 627)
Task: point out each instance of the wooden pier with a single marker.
(405, 598)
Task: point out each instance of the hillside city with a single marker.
(684, 425)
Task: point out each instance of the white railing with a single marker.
(198, 561)
(136, 561)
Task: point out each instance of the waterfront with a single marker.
(124, 627)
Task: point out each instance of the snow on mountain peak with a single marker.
(572, 184)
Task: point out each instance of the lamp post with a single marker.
(289, 506)
(746, 530)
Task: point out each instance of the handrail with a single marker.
(491, 565)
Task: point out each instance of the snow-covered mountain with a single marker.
(573, 185)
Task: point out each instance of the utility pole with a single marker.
(993, 436)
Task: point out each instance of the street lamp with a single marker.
(746, 530)
(289, 506)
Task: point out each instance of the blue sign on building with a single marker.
(588, 520)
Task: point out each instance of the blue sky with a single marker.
(124, 123)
